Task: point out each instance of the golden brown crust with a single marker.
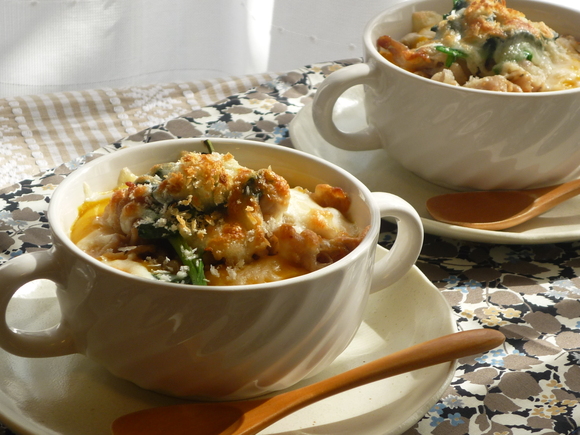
(505, 22)
(326, 195)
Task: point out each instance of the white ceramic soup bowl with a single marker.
(199, 341)
(453, 136)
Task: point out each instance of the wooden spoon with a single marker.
(249, 417)
(499, 209)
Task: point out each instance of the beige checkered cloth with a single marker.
(39, 132)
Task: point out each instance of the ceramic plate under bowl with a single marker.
(380, 173)
(71, 395)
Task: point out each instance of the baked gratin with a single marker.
(483, 44)
(205, 219)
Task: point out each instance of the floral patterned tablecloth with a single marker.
(529, 292)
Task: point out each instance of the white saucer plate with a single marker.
(380, 173)
(71, 395)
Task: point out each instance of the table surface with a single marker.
(529, 292)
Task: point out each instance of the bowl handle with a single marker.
(325, 98)
(407, 247)
(20, 270)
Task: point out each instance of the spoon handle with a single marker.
(429, 353)
(439, 350)
(553, 195)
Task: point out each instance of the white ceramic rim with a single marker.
(64, 238)
(371, 48)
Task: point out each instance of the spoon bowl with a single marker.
(499, 209)
(248, 417)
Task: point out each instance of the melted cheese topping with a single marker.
(265, 269)
(247, 226)
(483, 44)
(305, 214)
